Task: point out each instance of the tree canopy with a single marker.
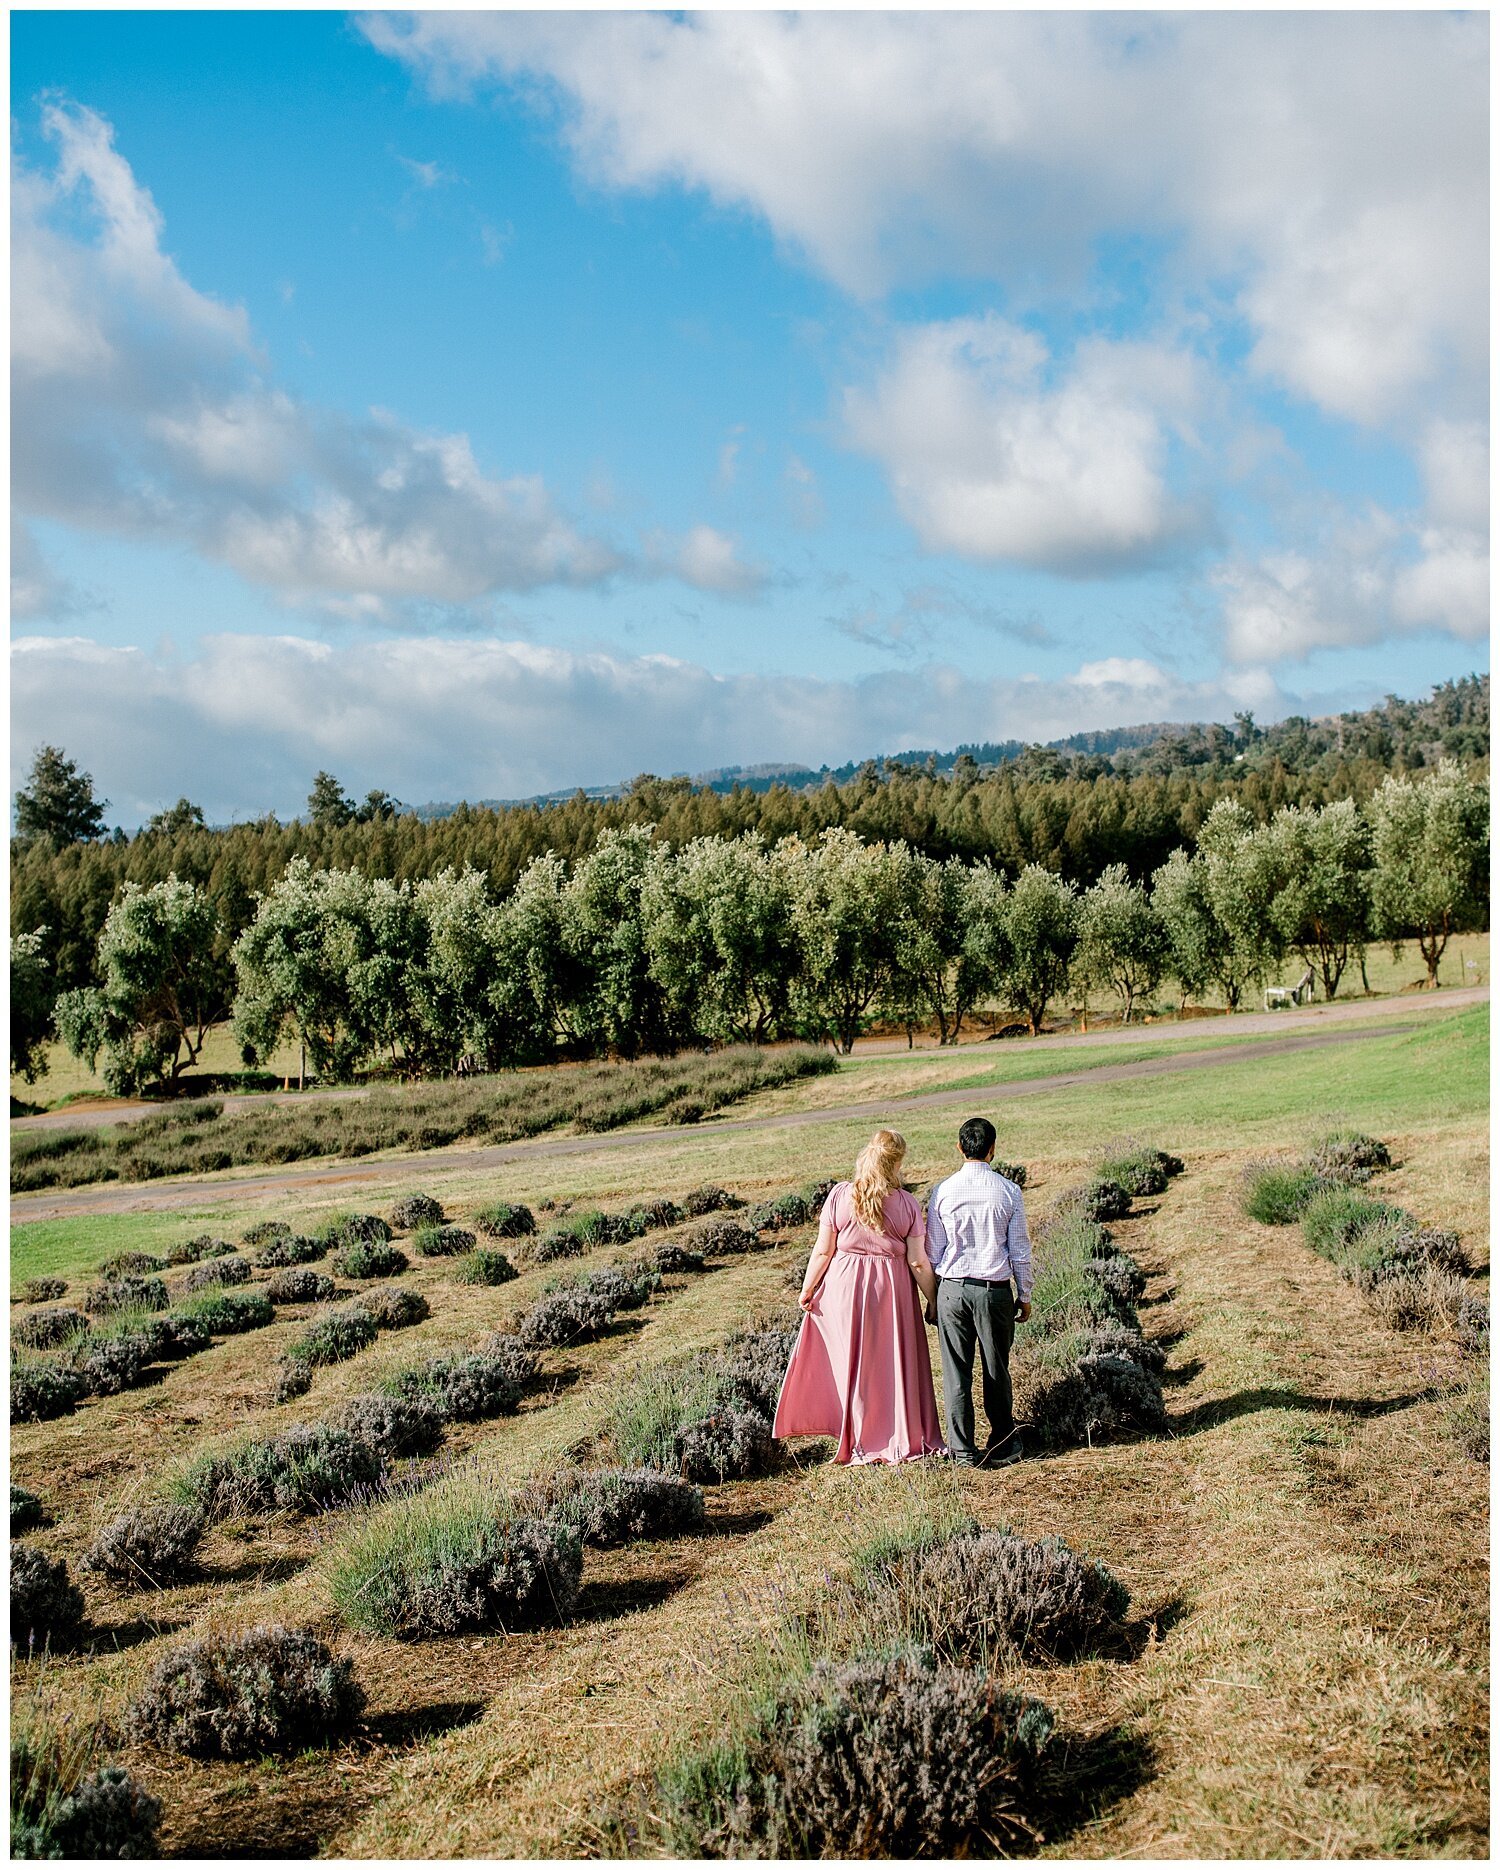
(57, 803)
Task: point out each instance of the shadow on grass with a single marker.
(256, 1570)
(600, 1601)
(553, 1383)
(1214, 1414)
(1138, 1634)
(406, 1727)
(250, 1818)
(722, 1525)
(1085, 1774)
(1177, 1374)
(109, 1637)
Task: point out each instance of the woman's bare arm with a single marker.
(921, 1266)
(818, 1265)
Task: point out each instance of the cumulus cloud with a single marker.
(1363, 578)
(242, 722)
(708, 560)
(1326, 171)
(141, 406)
(1455, 462)
(1359, 582)
(988, 459)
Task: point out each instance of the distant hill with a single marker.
(1454, 721)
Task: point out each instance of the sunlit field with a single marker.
(1270, 1535)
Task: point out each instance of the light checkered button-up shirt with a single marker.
(976, 1228)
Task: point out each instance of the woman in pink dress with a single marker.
(860, 1370)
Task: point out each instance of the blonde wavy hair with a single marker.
(876, 1172)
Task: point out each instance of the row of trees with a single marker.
(1074, 813)
(639, 947)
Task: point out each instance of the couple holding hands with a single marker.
(860, 1370)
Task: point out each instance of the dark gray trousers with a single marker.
(969, 1313)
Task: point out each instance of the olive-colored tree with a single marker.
(846, 899)
(721, 937)
(1041, 923)
(1122, 942)
(1195, 941)
(329, 959)
(1430, 838)
(1321, 904)
(624, 1007)
(161, 987)
(927, 980)
(1239, 876)
(31, 997)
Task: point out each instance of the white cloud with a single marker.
(1327, 170)
(494, 242)
(729, 455)
(988, 459)
(1448, 588)
(242, 723)
(709, 560)
(1364, 578)
(426, 174)
(1357, 582)
(142, 407)
(1455, 462)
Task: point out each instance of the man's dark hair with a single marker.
(976, 1138)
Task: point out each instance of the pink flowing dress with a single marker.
(860, 1370)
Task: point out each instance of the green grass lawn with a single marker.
(900, 1075)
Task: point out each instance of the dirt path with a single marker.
(194, 1191)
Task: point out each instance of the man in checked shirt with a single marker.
(981, 1252)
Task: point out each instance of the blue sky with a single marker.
(486, 403)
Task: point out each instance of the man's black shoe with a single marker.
(1003, 1457)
